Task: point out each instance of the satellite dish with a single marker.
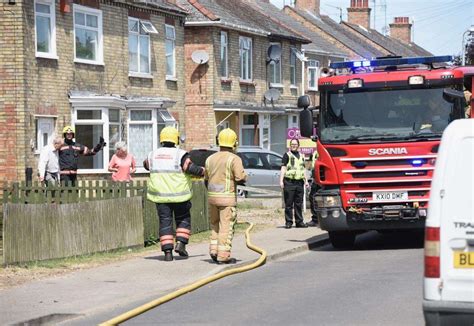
(274, 52)
(272, 95)
(200, 57)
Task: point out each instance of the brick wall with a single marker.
(12, 92)
(45, 83)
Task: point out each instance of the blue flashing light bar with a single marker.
(391, 62)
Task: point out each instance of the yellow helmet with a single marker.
(68, 129)
(169, 134)
(227, 138)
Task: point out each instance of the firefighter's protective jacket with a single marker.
(168, 182)
(224, 170)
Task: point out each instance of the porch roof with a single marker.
(249, 107)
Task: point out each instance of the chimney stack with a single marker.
(359, 13)
(310, 5)
(400, 29)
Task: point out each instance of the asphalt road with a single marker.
(379, 282)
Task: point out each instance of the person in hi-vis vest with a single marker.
(292, 181)
(314, 188)
(169, 186)
(224, 170)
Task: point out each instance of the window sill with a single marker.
(276, 85)
(139, 75)
(225, 80)
(312, 89)
(171, 78)
(247, 82)
(293, 87)
(88, 62)
(47, 56)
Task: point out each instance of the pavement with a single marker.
(112, 289)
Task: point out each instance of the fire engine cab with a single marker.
(378, 132)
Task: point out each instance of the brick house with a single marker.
(232, 88)
(110, 68)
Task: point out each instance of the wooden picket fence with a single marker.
(32, 207)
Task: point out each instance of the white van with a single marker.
(449, 235)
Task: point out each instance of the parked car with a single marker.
(262, 166)
(449, 235)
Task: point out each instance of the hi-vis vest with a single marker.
(295, 167)
(168, 183)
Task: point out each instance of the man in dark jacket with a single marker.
(69, 155)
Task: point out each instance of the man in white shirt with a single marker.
(48, 165)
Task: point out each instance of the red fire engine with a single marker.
(378, 132)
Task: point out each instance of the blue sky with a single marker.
(438, 24)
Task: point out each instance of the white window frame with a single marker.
(293, 121)
(275, 81)
(171, 39)
(293, 67)
(313, 65)
(224, 49)
(100, 46)
(52, 54)
(39, 143)
(139, 73)
(104, 122)
(264, 123)
(246, 76)
(155, 113)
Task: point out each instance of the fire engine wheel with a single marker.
(342, 239)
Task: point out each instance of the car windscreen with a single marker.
(385, 115)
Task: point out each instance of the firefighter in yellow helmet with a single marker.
(224, 170)
(169, 186)
(69, 155)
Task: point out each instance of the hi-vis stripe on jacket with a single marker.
(295, 167)
(168, 183)
(223, 170)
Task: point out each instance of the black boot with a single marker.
(214, 257)
(168, 255)
(180, 248)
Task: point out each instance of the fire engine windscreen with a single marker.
(386, 115)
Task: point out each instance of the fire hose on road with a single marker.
(152, 304)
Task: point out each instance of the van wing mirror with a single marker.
(450, 95)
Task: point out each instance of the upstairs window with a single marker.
(224, 52)
(292, 67)
(45, 28)
(139, 59)
(170, 39)
(275, 68)
(313, 75)
(88, 35)
(245, 53)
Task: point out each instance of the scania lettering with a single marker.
(378, 132)
(387, 151)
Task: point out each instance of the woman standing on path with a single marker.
(292, 181)
(122, 164)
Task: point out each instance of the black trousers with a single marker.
(312, 203)
(182, 217)
(68, 179)
(293, 194)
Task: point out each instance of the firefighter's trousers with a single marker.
(222, 230)
(182, 217)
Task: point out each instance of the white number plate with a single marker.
(389, 195)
